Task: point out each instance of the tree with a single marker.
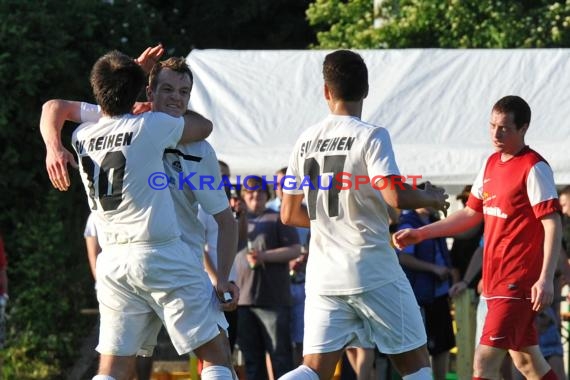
(46, 50)
(222, 24)
(444, 24)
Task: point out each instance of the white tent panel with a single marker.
(435, 103)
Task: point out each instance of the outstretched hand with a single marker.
(149, 57)
(56, 165)
(408, 236)
(439, 196)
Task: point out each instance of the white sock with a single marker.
(422, 374)
(103, 377)
(217, 372)
(302, 372)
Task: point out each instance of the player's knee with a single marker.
(423, 374)
(216, 372)
(300, 373)
(522, 363)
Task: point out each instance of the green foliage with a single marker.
(247, 24)
(444, 24)
(343, 24)
(20, 362)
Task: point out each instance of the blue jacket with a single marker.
(424, 283)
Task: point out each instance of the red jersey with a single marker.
(513, 196)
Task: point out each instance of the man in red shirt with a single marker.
(516, 197)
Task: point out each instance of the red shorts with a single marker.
(509, 324)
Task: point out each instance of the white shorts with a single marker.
(139, 288)
(387, 317)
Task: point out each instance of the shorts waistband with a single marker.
(142, 244)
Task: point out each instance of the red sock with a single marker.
(550, 375)
(482, 378)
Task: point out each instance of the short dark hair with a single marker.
(346, 75)
(177, 64)
(464, 195)
(255, 182)
(222, 163)
(565, 190)
(117, 81)
(515, 105)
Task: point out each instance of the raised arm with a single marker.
(196, 127)
(54, 114)
(149, 57)
(455, 223)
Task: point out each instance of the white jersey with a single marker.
(194, 179)
(350, 250)
(90, 227)
(117, 158)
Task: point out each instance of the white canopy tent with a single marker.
(435, 103)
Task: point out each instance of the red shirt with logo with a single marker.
(513, 196)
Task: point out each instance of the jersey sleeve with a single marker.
(212, 200)
(379, 155)
(164, 130)
(90, 228)
(475, 200)
(293, 176)
(541, 190)
(90, 112)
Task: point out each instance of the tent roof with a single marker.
(434, 102)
